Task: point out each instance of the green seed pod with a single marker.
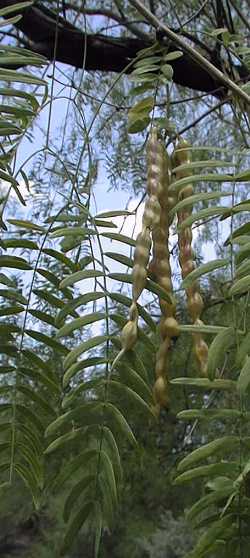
(129, 335)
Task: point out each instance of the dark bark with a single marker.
(105, 54)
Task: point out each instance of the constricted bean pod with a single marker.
(161, 269)
(194, 300)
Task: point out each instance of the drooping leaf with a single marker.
(203, 270)
(244, 377)
(225, 444)
(218, 349)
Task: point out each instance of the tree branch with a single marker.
(108, 54)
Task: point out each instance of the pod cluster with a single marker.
(181, 156)
(161, 269)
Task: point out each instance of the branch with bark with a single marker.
(99, 52)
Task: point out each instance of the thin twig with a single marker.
(203, 62)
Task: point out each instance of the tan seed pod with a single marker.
(161, 392)
(166, 283)
(169, 327)
(194, 299)
(141, 256)
(144, 239)
(195, 305)
(133, 312)
(152, 211)
(139, 276)
(129, 335)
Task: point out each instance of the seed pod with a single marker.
(133, 312)
(194, 299)
(161, 392)
(169, 327)
(152, 212)
(160, 267)
(139, 276)
(144, 239)
(129, 335)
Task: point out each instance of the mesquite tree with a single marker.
(126, 85)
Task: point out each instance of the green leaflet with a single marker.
(227, 443)
(126, 301)
(21, 243)
(213, 498)
(73, 231)
(202, 214)
(113, 214)
(78, 323)
(33, 395)
(47, 340)
(75, 525)
(208, 470)
(72, 466)
(124, 390)
(179, 184)
(121, 258)
(90, 412)
(98, 528)
(48, 297)
(203, 270)
(15, 8)
(131, 378)
(41, 377)
(108, 473)
(79, 301)
(14, 262)
(150, 285)
(196, 198)
(83, 347)
(13, 295)
(205, 383)
(113, 451)
(244, 378)
(204, 328)
(76, 492)
(211, 537)
(209, 414)
(66, 439)
(6, 281)
(81, 365)
(81, 388)
(240, 286)
(26, 225)
(243, 350)
(80, 276)
(208, 163)
(43, 317)
(120, 238)
(217, 350)
(60, 258)
(119, 422)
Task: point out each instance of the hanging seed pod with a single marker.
(161, 270)
(150, 219)
(129, 335)
(194, 299)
